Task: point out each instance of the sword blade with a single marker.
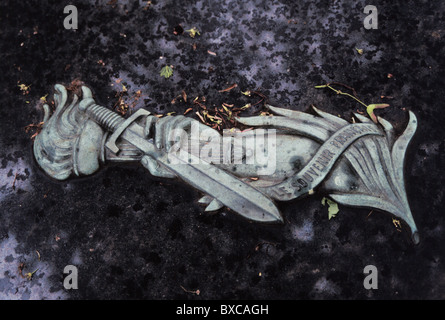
(229, 190)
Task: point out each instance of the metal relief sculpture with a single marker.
(284, 157)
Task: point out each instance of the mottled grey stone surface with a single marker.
(144, 238)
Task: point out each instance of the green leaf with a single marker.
(371, 107)
(166, 72)
(332, 209)
(29, 275)
(193, 32)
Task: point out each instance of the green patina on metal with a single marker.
(358, 164)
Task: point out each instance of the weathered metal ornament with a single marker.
(356, 164)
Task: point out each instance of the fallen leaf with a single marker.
(370, 110)
(332, 207)
(435, 34)
(24, 88)
(229, 88)
(193, 32)
(15, 179)
(76, 87)
(167, 71)
(211, 52)
(200, 116)
(396, 223)
(147, 5)
(37, 127)
(29, 275)
(197, 292)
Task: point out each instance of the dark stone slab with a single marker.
(134, 236)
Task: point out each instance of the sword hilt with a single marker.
(109, 120)
(106, 118)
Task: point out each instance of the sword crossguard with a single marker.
(111, 143)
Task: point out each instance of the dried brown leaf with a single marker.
(229, 88)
